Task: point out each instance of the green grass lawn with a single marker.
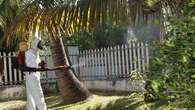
(100, 101)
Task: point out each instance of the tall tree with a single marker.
(9, 9)
(70, 16)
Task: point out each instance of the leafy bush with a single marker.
(172, 73)
(99, 37)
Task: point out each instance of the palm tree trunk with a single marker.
(71, 89)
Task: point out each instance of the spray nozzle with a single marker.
(65, 67)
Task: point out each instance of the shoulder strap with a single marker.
(21, 59)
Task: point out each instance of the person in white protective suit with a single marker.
(35, 97)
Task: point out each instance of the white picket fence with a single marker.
(114, 62)
(15, 76)
(99, 64)
(12, 76)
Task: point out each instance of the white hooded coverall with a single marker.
(35, 95)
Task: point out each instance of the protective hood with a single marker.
(34, 43)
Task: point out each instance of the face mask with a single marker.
(40, 46)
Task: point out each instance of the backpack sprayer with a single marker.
(19, 62)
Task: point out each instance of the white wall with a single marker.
(12, 92)
(119, 85)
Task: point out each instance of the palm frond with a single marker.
(71, 16)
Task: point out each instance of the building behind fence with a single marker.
(109, 63)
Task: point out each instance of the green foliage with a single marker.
(99, 37)
(9, 10)
(172, 73)
(152, 2)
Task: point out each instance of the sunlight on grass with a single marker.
(100, 101)
(13, 105)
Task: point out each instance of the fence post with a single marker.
(131, 57)
(134, 56)
(143, 56)
(10, 68)
(138, 57)
(116, 60)
(109, 62)
(112, 60)
(119, 60)
(80, 63)
(106, 61)
(87, 62)
(5, 68)
(127, 60)
(92, 62)
(95, 62)
(147, 56)
(123, 60)
(98, 62)
(102, 62)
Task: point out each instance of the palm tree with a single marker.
(9, 11)
(70, 16)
